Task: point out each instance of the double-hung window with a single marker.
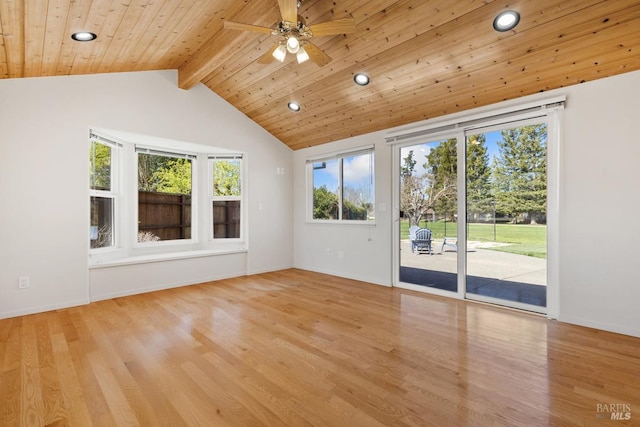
(225, 196)
(165, 190)
(342, 187)
(165, 197)
(103, 192)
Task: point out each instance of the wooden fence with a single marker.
(167, 216)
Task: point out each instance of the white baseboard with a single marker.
(610, 327)
(268, 270)
(43, 308)
(347, 276)
(144, 290)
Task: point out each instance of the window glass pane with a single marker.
(226, 219)
(428, 201)
(326, 184)
(100, 166)
(506, 184)
(358, 191)
(226, 177)
(101, 221)
(164, 198)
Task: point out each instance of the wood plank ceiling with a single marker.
(426, 58)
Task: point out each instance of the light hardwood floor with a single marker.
(295, 348)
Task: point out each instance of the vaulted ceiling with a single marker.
(426, 58)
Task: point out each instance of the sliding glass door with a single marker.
(428, 215)
(485, 214)
(506, 215)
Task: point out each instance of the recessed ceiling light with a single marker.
(83, 36)
(361, 79)
(294, 106)
(506, 20)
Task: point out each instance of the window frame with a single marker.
(178, 154)
(211, 159)
(340, 157)
(114, 193)
(124, 166)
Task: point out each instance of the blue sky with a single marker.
(356, 172)
(356, 169)
(422, 150)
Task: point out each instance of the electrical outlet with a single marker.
(23, 282)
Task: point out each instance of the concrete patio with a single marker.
(491, 273)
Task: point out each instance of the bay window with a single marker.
(154, 199)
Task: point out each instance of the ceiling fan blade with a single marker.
(268, 57)
(230, 25)
(317, 55)
(289, 10)
(330, 28)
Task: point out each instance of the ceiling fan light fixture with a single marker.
(294, 106)
(302, 56)
(83, 36)
(361, 79)
(506, 20)
(280, 53)
(293, 44)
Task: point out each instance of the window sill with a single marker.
(145, 259)
(337, 222)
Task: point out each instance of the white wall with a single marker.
(367, 249)
(44, 174)
(599, 202)
(44, 195)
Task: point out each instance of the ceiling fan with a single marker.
(295, 34)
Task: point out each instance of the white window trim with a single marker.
(127, 250)
(549, 111)
(340, 155)
(114, 193)
(211, 158)
(194, 196)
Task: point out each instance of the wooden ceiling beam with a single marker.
(397, 26)
(225, 42)
(243, 61)
(207, 59)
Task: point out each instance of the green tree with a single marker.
(356, 202)
(147, 165)
(432, 189)
(352, 211)
(325, 203)
(174, 177)
(226, 178)
(479, 195)
(520, 172)
(100, 165)
(409, 165)
(414, 201)
(442, 165)
(164, 174)
(412, 196)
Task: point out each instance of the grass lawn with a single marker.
(523, 239)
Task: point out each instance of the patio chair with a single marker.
(423, 241)
(452, 242)
(412, 236)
